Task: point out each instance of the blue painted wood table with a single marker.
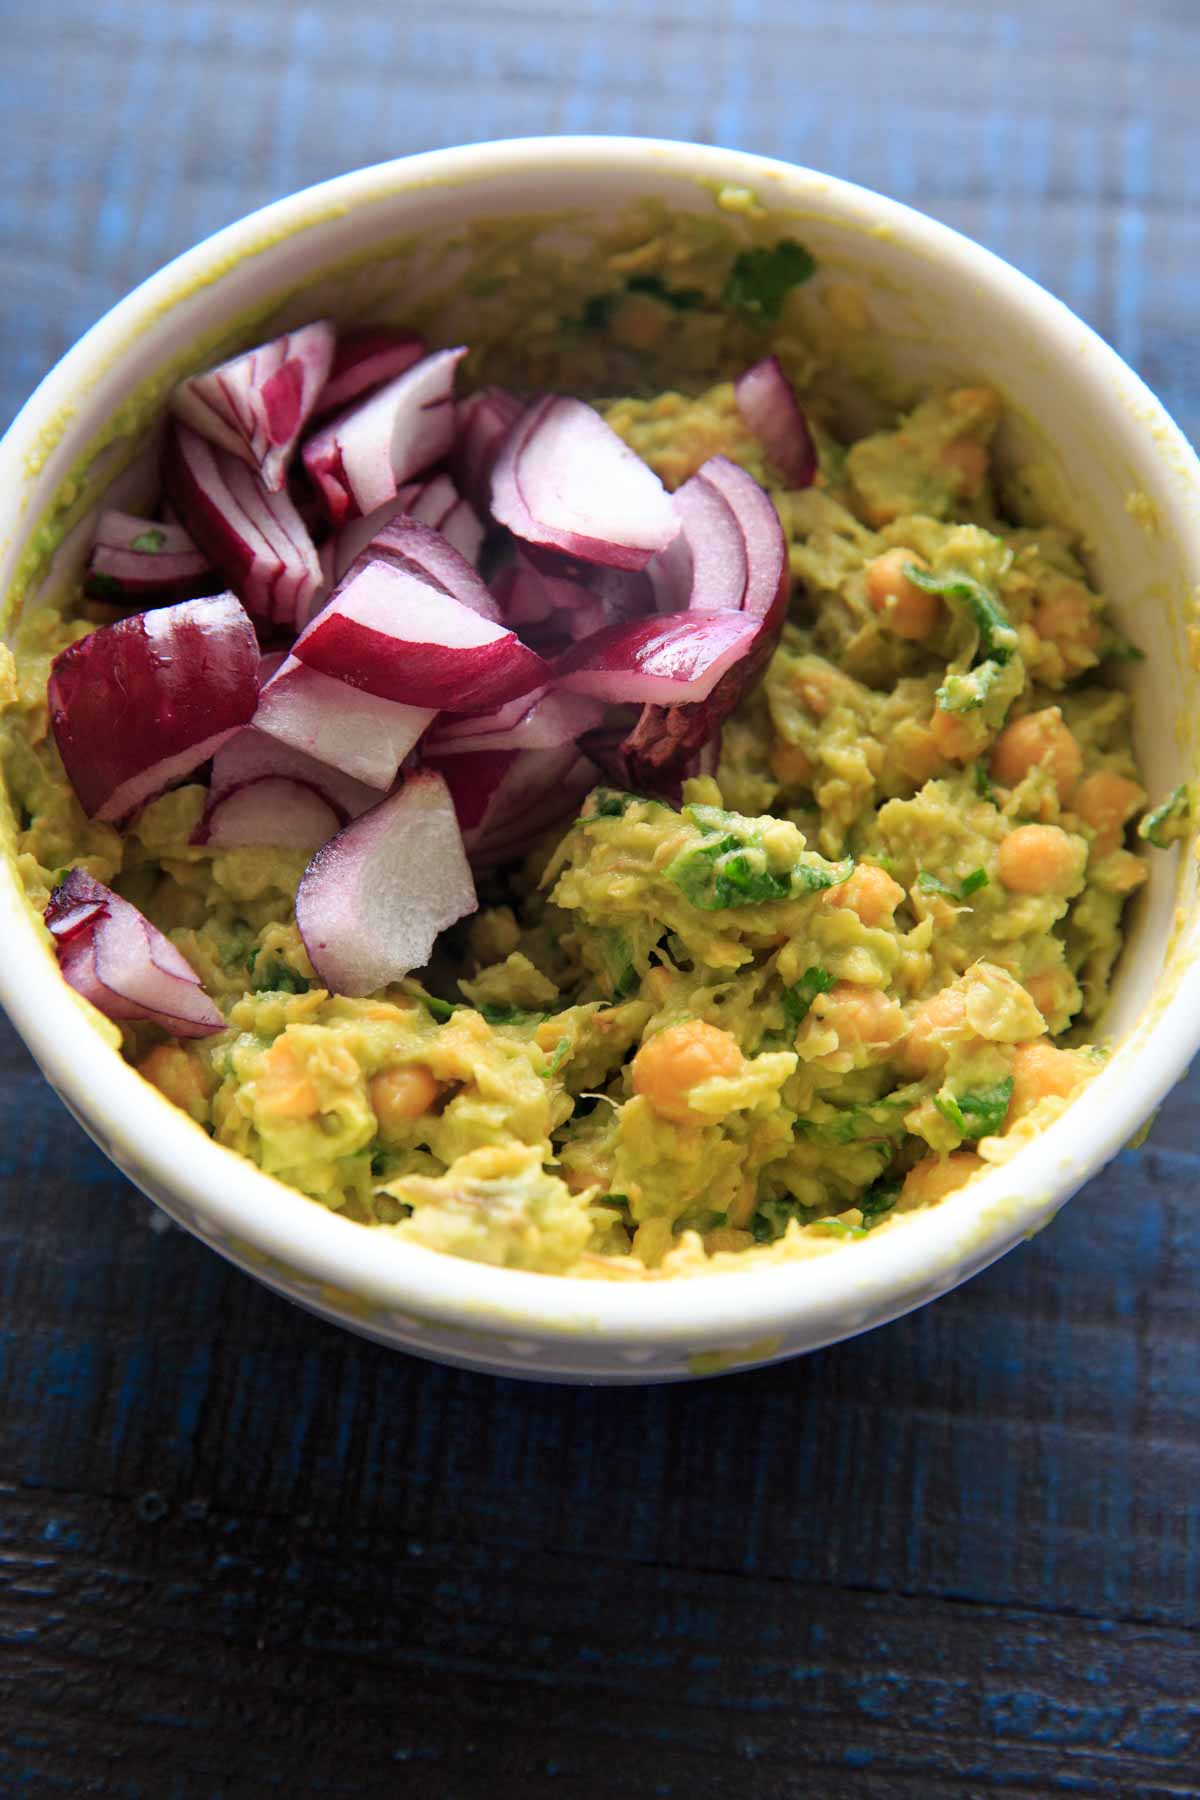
(242, 1554)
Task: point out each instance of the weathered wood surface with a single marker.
(241, 1553)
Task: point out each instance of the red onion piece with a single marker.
(339, 725)
(456, 524)
(256, 405)
(565, 480)
(704, 570)
(484, 421)
(373, 900)
(666, 659)
(390, 631)
(272, 810)
(253, 756)
(147, 560)
(364, 360)
(360, 458)
(542, 721)
(269, 663)
(767, 402)
(111, 954)
(463, 530)
(140, 704)
(669, 743)
(257, 540)
(506, 799)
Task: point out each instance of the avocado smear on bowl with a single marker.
(736, 1016)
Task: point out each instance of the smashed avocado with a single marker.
(761, 1019)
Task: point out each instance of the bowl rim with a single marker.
(816, 1299)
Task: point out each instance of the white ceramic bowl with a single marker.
(946, 306)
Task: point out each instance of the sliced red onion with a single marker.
(666, 659)
(140, 704)
(257, 540)
(373, 901)
(432, 500)
(339, 725)
(361, 457)
(456, 524)
(767, 402)
(705, 568)
(364, 360)
(566, 481)
(669, 743)
(541, 721)
(253, 756)
(484, 421)
(269, 663)
(506, 799)
(390, 631)
(147, 560)
(464, 531)
(271, 810)
(111, 954)
(256, 405)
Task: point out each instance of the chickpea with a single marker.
(177, 1075)
(934, 1177)
(870, 892)
(1038, 859)
(791, 765)
(863, 1017)
(670, 1064)
(915, 749)
(1039, 740)
(952, 736)
(1044, 990)
(964, 463)
(902, 606)
(1039, 1069)
(283, 1088)
(942, 1015)
(1105, 801)
(1065, 617)
(400, 1095)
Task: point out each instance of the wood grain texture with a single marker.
(244, 1554)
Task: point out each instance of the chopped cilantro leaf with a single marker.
(977, 1113)
(275, 977)
(557, 1058)
(436, 1008)
(982, 782)
(799, 997)
(966, 693)
(149, 541)
(878, 1201)
(507, 1015)
(1166, 821)
(105, 587)
(682, 299)
(970, 884)
(761, 280)
(610, 803)
(730, 868)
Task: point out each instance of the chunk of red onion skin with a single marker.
(256, 405)
(363, 455)
(458, 525)
(767, 402)
(140, 704)
(390, 631)
(705, 569)
(146, 560)
(548, 721)
(257, 540)
(373, 900)
(507, 799)
(273, 811)
(664, 745)
(364, 361)
(565, 481)
(485, 419)
(338, 725)
(666, 659)
(253, 756)
(110, 953)
(419, 550)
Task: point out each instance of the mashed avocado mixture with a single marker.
(844, 974)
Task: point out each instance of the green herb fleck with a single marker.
(761, 280)
(557, 1058)
(105, 587)
(977, 1113)
(878, 1201)
(961, 693)
(682, 299)
(610, 803)
(958, 892)
(997, 633)
(1166, 821)
(436, 1008)
(982, 782)
(275, 977)
(729, 867)
(150, 541)
(799, 997)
